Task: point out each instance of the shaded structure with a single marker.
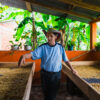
(81, 10)
(87, 11)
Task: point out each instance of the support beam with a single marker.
(59, 9)
(95, 20)
(81, 4)
(34, 36)
(93, 33)
(28, 5)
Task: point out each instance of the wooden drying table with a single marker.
(14, 81)
(82, 81)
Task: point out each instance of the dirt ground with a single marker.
(36, 94)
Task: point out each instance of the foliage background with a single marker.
(75, 31)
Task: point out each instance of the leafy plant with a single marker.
(97, 44)
(28, 41)
(73, 30)
(16, 44)
(71, 43)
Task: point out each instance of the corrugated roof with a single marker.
(81, 10)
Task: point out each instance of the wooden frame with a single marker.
(81, 4)
(95, 20)
(29, 84)
(59, 10)
(26, 95)
(85, 63)
(28, 5)
(84, 86)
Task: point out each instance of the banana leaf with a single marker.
(19, 32)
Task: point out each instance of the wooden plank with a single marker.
(14, 3)
(85, 87)
(81, 4)
(29, 84)
(95, 20)
(93, 35)
(79, 56)
(85, 63)
(59, 10)
(28, 5)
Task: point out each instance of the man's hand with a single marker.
(70, 66)
(21, 61)
(74, 72)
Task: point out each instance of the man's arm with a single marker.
(70, 66)
(23, 57)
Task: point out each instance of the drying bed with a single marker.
(91, 74)
(87, 78)
(13, 80)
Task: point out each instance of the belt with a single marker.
(48, 71)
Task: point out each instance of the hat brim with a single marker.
(57, 32)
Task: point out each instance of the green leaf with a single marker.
(40, 24)
(11, 42)
(45, 17)
(19, 33)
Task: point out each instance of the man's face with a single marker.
(51, 38)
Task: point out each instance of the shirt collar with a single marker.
(51, 45)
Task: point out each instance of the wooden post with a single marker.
(34, 36)
(28, 5)
(93, 33)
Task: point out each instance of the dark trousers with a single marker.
(50, 84)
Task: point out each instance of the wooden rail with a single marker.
(29, 84)
(84, 86)
(85, 63)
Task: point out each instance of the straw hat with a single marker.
(51, 30)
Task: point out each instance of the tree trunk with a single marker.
(63, 36)
(66, 37)
(34, 35)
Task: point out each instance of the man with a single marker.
(51, 55)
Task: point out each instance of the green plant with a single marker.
(74, 30)
(16, 44)
(71, 43)
(28, 41)
(97, 44)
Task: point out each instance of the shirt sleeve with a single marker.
(64, 56)
(37, 53)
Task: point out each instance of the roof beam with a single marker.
(95, 20)
(28, 5)
(81, 4)
(60, 10)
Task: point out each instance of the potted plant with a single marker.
(15, 46)
(97, 46)
(28, 44)
(71, 45)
